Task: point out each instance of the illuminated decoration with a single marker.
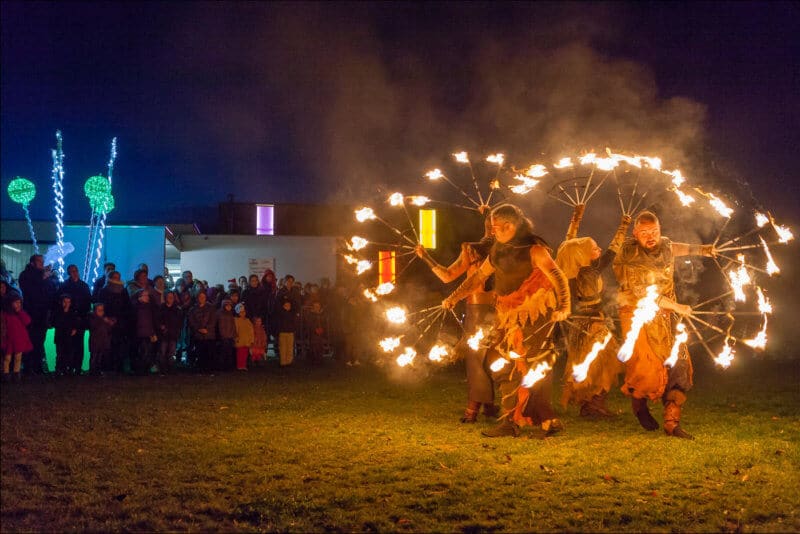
(98, 191)
(645, 311)
(57, 176)
(427, 228)
(386, 267)
(536, 374)
(581, 370)
(265, 219)
(22, 191)
(681, 336)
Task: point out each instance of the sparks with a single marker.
(680, 338)
(534, 375)
(474, 342)
(388, 344)
(407, 357)
(365, 214)
(496, 158)
(772, 267)
(725, 357)
(498, 364)
(645, 311)
(357, 243)
(396, 199)
(719, 205)
(739, 278)
(563, 163)
(461, 157)
(580, 371)
(435, 174)
(396, 315)
(419, 200)
(437, 353)
(384, 289)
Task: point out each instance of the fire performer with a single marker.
(644, 260)
(583, 263)
(479, 314)
(532, 294)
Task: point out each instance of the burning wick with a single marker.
(461, 157)
(396, 199)
(475, 341)
(498, 364)
(437, 353)
(407, 357)
(496, 158)
(365, 214)
(388, 344)
(357, 243)
(435, 174)
(725, 357)
(396, 315)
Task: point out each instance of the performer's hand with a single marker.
(559, 315)
(420, 251)
(683, 309)
(708, 251)
(448, 304)
(626, 219)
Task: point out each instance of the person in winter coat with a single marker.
(316, 324)
(286, 319)
(117, 307)
(100, 332)
(255, 298)
(66, 323)
(82, 303)
(146, 322)
(226, 326)
(15, 338)
(38, 289)
(171, 325)
(203, 324)
(258, 351)
(245, 336)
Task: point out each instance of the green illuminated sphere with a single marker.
(21, 190)
(102, 203)
(97, 186)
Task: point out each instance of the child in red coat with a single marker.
(15, 339)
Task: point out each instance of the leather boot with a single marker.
(471, 412)
(506, 428)
(642, 413)
(672, 419)
(596, 407)
(490, 410)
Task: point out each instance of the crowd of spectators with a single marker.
(160, 325)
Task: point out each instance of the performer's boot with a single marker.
(642, 413)
(552, 427)
(471, 413)
(506, 428)
(596, 407)
(490, 410)
(672, 414)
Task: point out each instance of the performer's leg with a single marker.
(642, 413)
(673, 400)
(508, 383)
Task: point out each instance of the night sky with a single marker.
(325, 102)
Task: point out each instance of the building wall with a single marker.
(217, 258)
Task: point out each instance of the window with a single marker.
(265, 219)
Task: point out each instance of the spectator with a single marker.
(258, 352)
(66, 323)
(100, 332)
(101, 282)
(270, 285)
(255, 299)
(146, 321)
(38, 289)
(245, 336)
(139, 283)
(171, 321)
(316, 324)
(16, 340)
(81, 296)
(117, 307)
(226, 326)
(203, 323)
(159, 291)
(286, 317)
(243, 283)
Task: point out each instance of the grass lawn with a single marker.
(352, 449)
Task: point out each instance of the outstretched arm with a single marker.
(575, 222)
(471, 284)
(445, 274)
(616, 243)
(542, 259)
(669, 304)
(685, 249)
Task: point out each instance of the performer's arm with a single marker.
(669, 304)
(445, 274)
(685, 249)
(471, 284)
(542, 259)
(616, 243)
(575, 222)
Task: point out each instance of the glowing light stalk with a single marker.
(58, 192)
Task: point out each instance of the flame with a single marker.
(784, 233)
(475, 341)
(370, 295)
(350, 259)
(685, 199)
(655, 163)
(606, 164)
(761, 219)
(513, 355)
(588, 158)
(385, 288)
(580, 371)
(363, 266)
(419, 200)
(772, 267)
(719, 205)
(437, 353)
(739, 278)
(525, 187)
(498, 364)
(461, 157)
(725, 357)
(494, 184)
(396, 199)
(760, 341)
(563, 163)
(365, 214)
(388, 344)
(534, 375)
(536, 171)
(764, 306)
(396, 315)
(435, 174)
(357, 243)
(645, 311)
(680, 338)
(496, 158)
(407, 357)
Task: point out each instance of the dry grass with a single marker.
(351, 450)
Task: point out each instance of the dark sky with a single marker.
(324, 102)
